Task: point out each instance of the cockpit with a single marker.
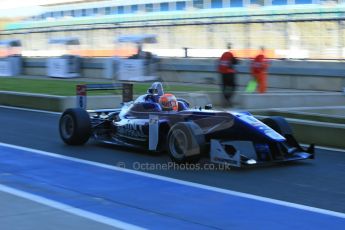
(150, 102)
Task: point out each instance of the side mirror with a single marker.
(208, 106)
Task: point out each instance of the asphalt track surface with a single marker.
(318, 183)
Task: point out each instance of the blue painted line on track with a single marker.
(147, 202)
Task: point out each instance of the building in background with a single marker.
(288, 28)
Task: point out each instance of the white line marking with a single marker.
(296, 109)
(187, 183)
(311, 107)
(325, 148)
(331, 149)
(70, 209)
(30, 110)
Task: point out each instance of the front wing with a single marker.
(244, 153)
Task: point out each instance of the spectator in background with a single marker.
(259, 68)
(227, 71)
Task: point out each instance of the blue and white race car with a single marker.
(159, 122)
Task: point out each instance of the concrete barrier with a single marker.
(322, 130)
(272, 100)
(319, 133)
(34, 66)
(292, 99)
(90, 67)
(93, 67)
(33, 101)
(283, 74)
(56, 103)
(243, 101)
(302, 115)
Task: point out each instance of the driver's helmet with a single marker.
(168, 102)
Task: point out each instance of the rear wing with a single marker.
(81, 92)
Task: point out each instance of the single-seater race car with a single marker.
(159, 122)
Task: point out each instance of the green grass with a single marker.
(63, 87)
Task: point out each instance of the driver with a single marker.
(168, 102)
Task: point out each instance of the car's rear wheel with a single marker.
(75, 126)
(186, 142)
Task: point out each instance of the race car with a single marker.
(157, 121)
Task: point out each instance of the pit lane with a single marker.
(319, 183)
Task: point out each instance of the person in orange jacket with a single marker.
(227, 71)
(259, 68)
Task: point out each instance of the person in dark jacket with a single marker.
(227, 71)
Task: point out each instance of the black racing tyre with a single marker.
(184, 101)
(75, 126)
(278, 124)
(185, 143)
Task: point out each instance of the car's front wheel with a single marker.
(278, 124)
(75, 126)
(186, 142)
